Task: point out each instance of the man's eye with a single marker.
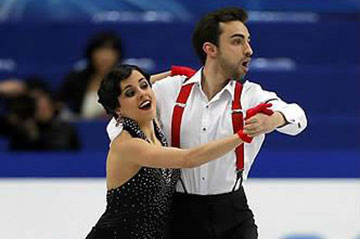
(238, 41)
(129, 93)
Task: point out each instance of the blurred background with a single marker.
(53, 142)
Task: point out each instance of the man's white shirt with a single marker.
(205, 120)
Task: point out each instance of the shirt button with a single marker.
(207, 107)
(204, 129)
(203, 178)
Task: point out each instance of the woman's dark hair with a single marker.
(102, 39)
(110, 90)
(208, 28)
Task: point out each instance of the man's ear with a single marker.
(210, 49)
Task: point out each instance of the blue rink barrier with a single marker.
(56, 164)
(308, 164)
(295, 164)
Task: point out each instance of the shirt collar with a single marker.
(196, 78)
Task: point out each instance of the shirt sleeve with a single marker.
(167, 88)
(113, 130)
(294, 115)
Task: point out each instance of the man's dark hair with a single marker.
(110, 90)
(208, 28)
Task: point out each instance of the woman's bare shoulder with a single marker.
(117, 147)
(123, 140)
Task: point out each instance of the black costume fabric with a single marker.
(140, 207)
(220, 216)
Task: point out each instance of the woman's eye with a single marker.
(129, 93)
(144, 85)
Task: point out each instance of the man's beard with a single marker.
(232, 71)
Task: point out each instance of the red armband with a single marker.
(246, 138)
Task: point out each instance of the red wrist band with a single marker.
(246, 138)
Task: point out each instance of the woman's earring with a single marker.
(119, 120)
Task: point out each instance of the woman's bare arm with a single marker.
(142, 153)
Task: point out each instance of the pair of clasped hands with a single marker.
(252, 126)
(251, 123)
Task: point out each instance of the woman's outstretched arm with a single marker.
(141, 153)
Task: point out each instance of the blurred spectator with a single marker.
(30, 120)
(79, 91)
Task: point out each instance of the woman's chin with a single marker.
(145, 117)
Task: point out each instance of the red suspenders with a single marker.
(178, 112)
(238, 123)
(237, 120)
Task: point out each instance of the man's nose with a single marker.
(248, 50)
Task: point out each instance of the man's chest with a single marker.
(201, 120)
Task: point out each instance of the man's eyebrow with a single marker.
(237, 35)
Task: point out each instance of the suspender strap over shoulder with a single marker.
(178, 113)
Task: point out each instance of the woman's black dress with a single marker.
(140, 207)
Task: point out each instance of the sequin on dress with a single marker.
(140, 207)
